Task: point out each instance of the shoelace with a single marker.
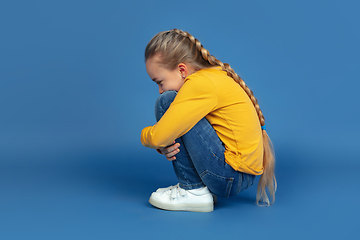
(175, 190)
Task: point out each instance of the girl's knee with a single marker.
(166, 97)
(163, 103)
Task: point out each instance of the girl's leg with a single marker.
(201, 160)
(183, 166)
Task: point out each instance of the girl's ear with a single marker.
(183, 70)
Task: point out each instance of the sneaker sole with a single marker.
(203, 207)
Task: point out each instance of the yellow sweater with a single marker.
(212, 94)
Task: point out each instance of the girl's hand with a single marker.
(170, 151)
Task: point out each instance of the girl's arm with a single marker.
(196, 98)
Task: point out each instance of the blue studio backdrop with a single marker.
(74, 96)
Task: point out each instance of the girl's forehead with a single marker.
(151, 63)
(154, 62)
(153, 67)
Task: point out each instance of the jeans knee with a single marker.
(163, 103)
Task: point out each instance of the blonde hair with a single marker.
(177, 46)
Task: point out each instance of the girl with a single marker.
(209, 124)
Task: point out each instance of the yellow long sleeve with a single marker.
(212, 94)
(193, 102)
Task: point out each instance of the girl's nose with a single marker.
(160, 90)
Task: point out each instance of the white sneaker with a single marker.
(175, 198)
(160, 190)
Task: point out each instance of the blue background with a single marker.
(74, 96)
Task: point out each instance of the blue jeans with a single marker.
(201, 160)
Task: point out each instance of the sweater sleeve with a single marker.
(196, 98)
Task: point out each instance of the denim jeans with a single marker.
(201, 160)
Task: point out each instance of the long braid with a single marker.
(267, 179)
(226, 67)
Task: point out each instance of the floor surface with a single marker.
(104, 194)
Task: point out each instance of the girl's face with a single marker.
(166, 79)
